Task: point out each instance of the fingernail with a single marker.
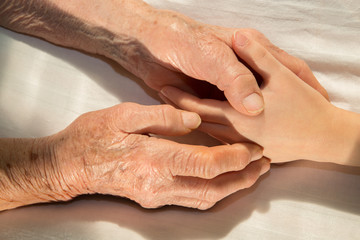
(191, 120)
(240, 39)
(253, 103)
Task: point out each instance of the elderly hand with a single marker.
(110, 152)
(298, 122)
(159, 46)
(178, 50)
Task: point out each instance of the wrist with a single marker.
(47, 171)
(107, 28)
(29, 173)
(69, 167)
(119, 32)
(341, 138)
(79, 24)
(346, 130)
(123, 37)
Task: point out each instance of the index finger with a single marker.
(256, 55)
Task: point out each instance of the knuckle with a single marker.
(240, 76)
(118, 115)
(126, 110)
(166, 111)
(164, 114)
(149, 201)
(225, 161)
(245, 154)
(203, 162)
(212, 168)
(203, 205)
(244, 77)
(209, 164)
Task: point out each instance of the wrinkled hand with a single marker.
(110, 151)
(295, 124)
(183, 50)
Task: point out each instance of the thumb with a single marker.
(245, 96)
(159, 119)
(242, 91)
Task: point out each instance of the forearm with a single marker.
(29, 173)
(109, 28)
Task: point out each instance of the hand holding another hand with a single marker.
(110, 151)
(297, 123)
(175, 50)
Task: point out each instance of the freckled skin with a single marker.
(159, 46)
(103, 152)
(162, 48)
(135, 166)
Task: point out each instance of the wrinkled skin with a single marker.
(298, 122)
(107, 152)
(183, 50)
(113, 154)
(161, 47)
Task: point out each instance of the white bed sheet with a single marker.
(44, 87)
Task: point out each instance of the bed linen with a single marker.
(43, 88)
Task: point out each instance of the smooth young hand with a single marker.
(298, 122)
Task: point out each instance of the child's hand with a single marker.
(297, 123)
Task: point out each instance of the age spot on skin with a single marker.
(33, 157)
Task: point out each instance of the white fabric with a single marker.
(44, 87)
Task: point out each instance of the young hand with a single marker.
(297, 123)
